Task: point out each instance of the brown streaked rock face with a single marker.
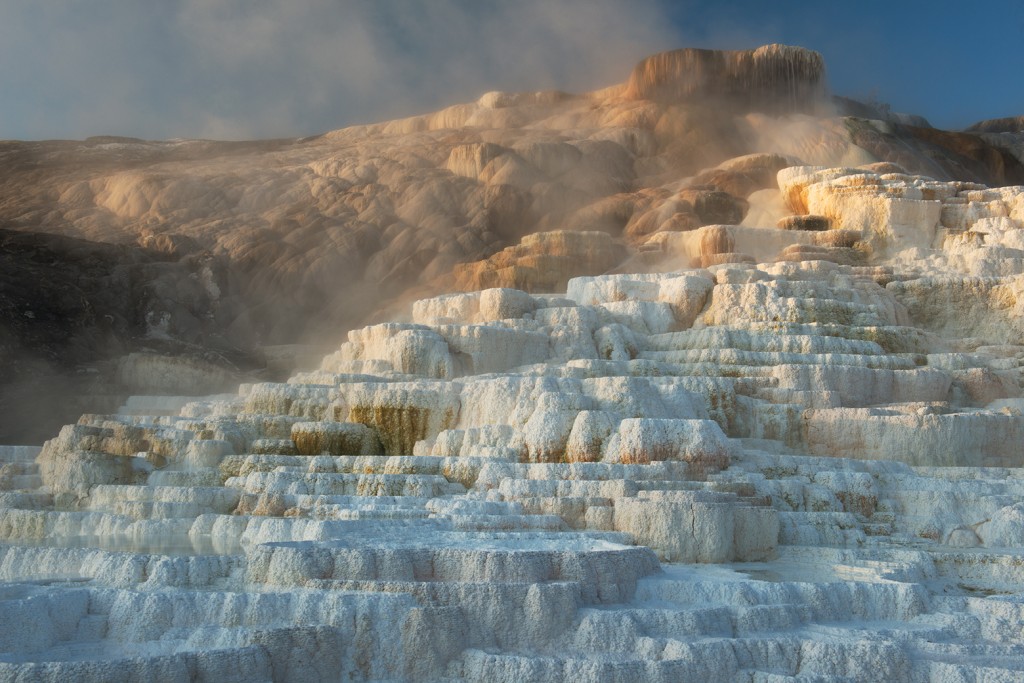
(770, 78)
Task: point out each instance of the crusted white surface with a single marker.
(797, 470)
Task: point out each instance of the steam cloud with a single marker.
(262, 68)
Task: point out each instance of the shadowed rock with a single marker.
(1010, 124)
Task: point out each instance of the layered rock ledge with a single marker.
(779, 441)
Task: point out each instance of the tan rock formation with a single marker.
(543, 262)
(749, 453)
(772, 77)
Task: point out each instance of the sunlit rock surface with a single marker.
(787, 447)
(772, 77)
(237, 246)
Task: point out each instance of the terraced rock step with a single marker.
(794, 470)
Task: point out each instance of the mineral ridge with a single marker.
(782, 440)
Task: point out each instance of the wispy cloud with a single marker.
(244, 68)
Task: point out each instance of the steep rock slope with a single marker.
(319, 233)
(771, 468)
(775, 434)
(81, 320)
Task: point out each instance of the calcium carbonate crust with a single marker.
(782, 450)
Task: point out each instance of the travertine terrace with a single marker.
(783, 447)
(214, 251)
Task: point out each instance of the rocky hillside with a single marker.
(691, 378)
(79, 316)
(307, 237)
(795, 454)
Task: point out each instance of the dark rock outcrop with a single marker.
(70, 308)
(1009, 124)
(941, 154)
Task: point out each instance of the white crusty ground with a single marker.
(785, 471)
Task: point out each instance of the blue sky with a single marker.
(260, 68)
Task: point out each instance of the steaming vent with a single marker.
(777, 78)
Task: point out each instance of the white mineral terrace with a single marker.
(795, 470)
